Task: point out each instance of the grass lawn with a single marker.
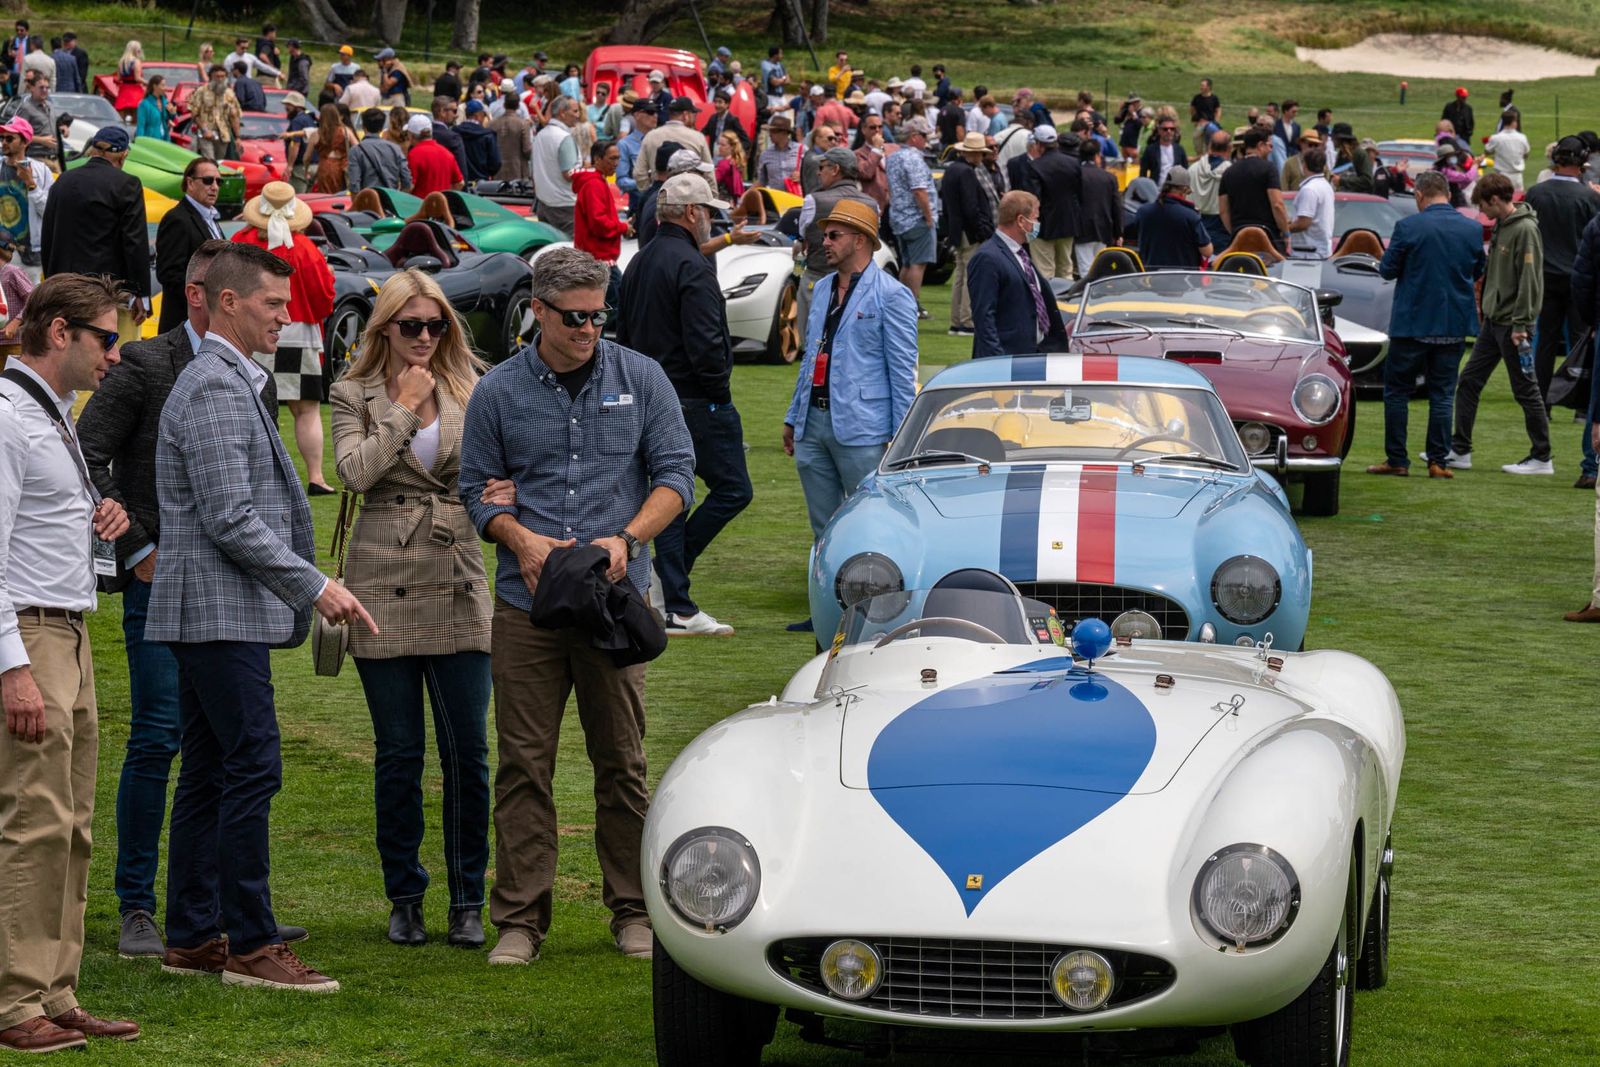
(1496, 952)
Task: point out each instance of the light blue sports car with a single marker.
(1104, 486)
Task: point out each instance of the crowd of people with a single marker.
(578, 456)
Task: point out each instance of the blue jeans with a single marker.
(458, 689)
(152, 744)
(829, 471)
(719, 461)
(1439, 365)
(1591, 463)
(218, 856)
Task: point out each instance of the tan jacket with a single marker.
(414, 558)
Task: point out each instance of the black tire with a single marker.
(1321, 494)
(697, 1026)
(783, 342)
(1373, 970)
(1314, 1029)
(512, 337)
(345, 326)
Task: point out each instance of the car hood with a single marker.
(966, 494)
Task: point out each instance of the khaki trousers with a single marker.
(46, 807)
(534, 671)
(1052, 258)
(960, 299)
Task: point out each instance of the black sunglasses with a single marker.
(414, 327)
(574, 319)
(108, 338)
(206, 179)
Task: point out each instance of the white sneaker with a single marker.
(1462, 462)
(697, 625)
(1530, 466)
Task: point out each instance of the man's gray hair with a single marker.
(671, 212)
(562, 270)
(1431, 184)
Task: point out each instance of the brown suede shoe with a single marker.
(1439, 470)
(1587, 614)
(206, 959)
(40, 1035)
(1384, 468)
(277, 967)
(87, 1025)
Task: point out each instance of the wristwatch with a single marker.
(634, 547)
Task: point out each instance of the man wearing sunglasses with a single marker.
(1164, 151)
(190, 223)
(673, 311)
(54, 528)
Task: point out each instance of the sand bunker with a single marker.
(1444, 55)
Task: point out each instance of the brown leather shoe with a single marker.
(1384, 468)
(40, 1035)
(87, 1025)
(1439, 470)
(208, 958)
(1585, 481)
(1586, 614)
(277, 967)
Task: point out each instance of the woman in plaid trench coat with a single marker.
(413, 552)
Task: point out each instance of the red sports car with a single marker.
(628, 67)
(1267, 345)
(108, 86)
(260, 146)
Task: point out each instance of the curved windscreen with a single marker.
(1103, 422)
(1237, 305)
(966, 614)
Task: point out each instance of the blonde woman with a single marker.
(397, 419)
(208, 55)
(130, 80)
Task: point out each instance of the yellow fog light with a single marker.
(1082, 980)
(851, 969)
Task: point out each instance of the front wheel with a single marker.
(516, 329)
(1321, 495)
(1373, 971)
(697, 1026)
(783, 342)
(345, 327)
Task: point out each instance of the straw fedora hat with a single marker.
(973, 142)
(858, 217)
(276, 196)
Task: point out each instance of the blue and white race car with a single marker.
(1112, 487)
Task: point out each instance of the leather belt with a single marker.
(820, 403)
(421, 507)
(51, 613)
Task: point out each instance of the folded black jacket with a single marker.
(573, 591)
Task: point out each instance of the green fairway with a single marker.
(1453, 588)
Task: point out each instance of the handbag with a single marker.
(331, 640)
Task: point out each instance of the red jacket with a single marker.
(311, 284)
(597, 229)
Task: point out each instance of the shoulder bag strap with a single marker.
(68, 437)
(347, 516)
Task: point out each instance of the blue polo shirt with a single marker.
(1171, 234)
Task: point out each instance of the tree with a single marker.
(389, 20)
(642, 21)
(323, 20)
(786, 20)
(464, 34)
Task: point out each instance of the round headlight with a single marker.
(1316, 398)
(1246, 895)
(864, 575)
(1255, 437)
(1136, 624)
(711, 877)
(1082, 980)
(1246, 589)
(851, 969)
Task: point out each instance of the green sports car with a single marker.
(490, 226)
(159, 165)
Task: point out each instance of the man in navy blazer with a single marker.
(1435, 256)
(1013, 308)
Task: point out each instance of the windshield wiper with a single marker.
(1192, 457)
(1119, 324)
(1204, 325)
(935, 455)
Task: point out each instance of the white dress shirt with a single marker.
(46, 515)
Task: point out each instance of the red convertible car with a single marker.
(628, 67)
(1267, 345)
(106, 85)
(183, 90)
(260, 146)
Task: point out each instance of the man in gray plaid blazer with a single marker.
(235, 577)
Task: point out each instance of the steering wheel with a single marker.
(984, 633)
(1178, 437)
(1259, 319)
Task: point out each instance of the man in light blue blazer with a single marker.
(859, 372)
(235, 577)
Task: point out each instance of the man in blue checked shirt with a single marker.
(593, 436)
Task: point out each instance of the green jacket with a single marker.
(1513, 281)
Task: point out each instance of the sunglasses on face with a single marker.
(413, 328)
(108, 338)
(575, 319)
(206, 179)
(836, 235)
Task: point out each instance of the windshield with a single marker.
(258, 125)
(1086, 423)
(1176, 300)
(951, 610)
(1379, 216)
(86, 107)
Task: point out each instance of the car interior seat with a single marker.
(1361, 242)
(1240, 263)
(1000, 611)
(1110, 262)
(1253, 239)
(369, 201)
(436, 207)
(1013, 428)
(417, 239)
(973, 440)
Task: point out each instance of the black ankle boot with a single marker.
(466, 927)
(405, 925)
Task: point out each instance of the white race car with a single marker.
(947, 823)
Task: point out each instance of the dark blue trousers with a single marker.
(719, 462)
(1439, 365)
(217, 856)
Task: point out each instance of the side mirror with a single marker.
(1327, 300)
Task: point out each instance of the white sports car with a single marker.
(946, 823)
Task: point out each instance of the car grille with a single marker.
(948, 979)
(1075, 601)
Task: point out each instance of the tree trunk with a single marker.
(464, 35)
(819, 21)
(642, 21)
(323, 20)
(783, 21)
(389, 20)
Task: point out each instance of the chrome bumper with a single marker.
(1299, 463)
